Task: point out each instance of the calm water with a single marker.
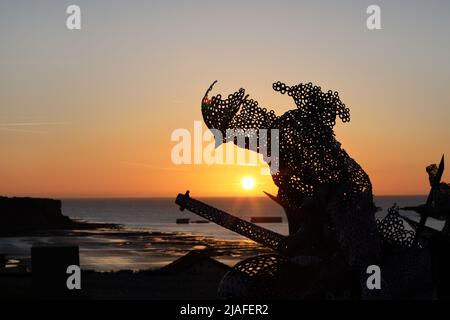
(161, 214)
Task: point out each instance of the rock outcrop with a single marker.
(25, 216)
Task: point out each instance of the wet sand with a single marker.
(120, 249)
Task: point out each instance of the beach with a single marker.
(149, 237)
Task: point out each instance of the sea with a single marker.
(169, 240)
(160, 214)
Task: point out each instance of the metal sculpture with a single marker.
(320, 186)
(256, 233)
(327, 197)
(290, 245)
(393, 231)
(437, 204)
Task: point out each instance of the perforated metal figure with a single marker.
(441, 196)
(321, 188)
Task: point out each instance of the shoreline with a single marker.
(121, 282)
(122, 249)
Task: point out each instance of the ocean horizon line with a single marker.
(171, 197)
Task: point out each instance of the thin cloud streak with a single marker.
(21, 130)
(29, 124)
(145, 165)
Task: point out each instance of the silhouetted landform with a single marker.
(25, 216)
(196, 262)
(266, 219)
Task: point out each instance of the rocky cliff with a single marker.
(22, 216)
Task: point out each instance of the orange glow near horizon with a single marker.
(90, 113)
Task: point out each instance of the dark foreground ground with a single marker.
(194, 276)
(123, 285)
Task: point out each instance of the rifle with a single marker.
(254, 232)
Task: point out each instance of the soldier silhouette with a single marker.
(323, 191)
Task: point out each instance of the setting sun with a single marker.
(248, 183)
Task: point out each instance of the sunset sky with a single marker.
(90, 112)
